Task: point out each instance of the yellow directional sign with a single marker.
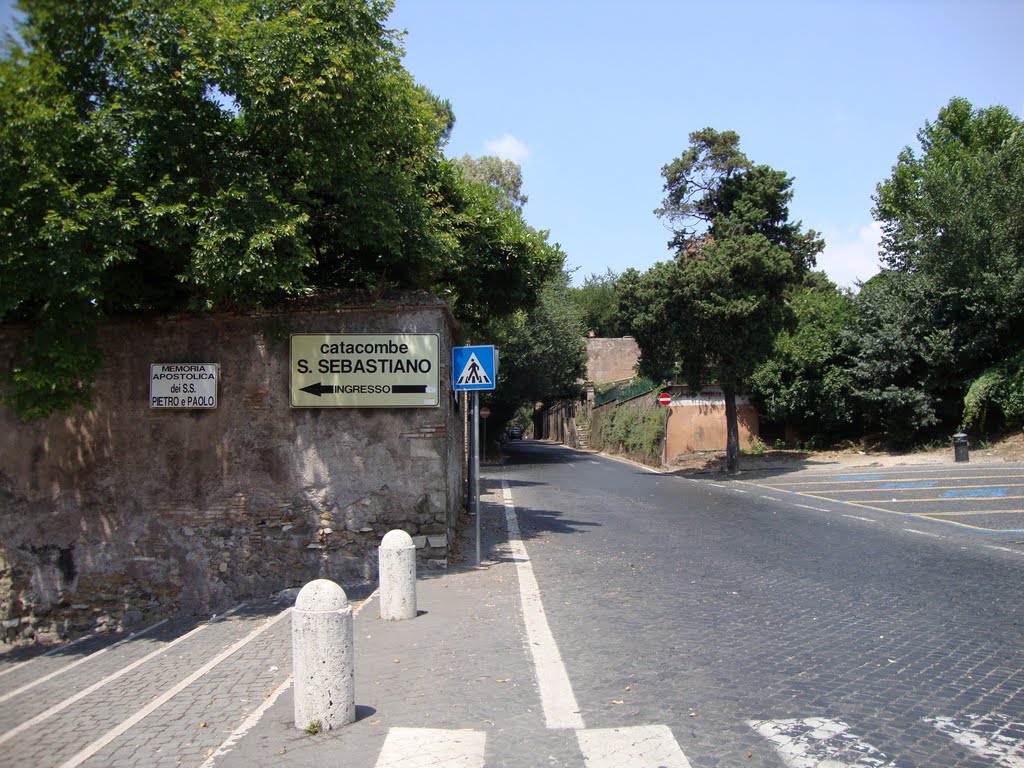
(365, 370)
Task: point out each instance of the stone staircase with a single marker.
(582, 435)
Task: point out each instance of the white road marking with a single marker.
(993, 737)
(72, 665)
(770, 498)
(857, 517)
(257, 714)
(557, 697)
(250, 722)
(817, 742)
(923, 533)
(645, 746)
(1003, 549)
(434, 747)
(64, 648)
(167, 695)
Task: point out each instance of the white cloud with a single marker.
(851, 255)
(508, 147)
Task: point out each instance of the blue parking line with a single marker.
(975, 493)
(917, 484)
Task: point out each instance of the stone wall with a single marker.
(611, 360)
(125, 514)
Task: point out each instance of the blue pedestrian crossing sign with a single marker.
(474, 368)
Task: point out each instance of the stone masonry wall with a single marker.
(611, 360)
(125, 514)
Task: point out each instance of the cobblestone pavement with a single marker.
(696, 626)
(166, 696)
(766, 631)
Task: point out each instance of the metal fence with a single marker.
(624, 391)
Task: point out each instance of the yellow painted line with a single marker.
(976, 512)
(981, 528)
(944, 500)
(877, 480)
(907, 488)
(919, 515)
(836, 501)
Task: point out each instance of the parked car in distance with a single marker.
(515, 433)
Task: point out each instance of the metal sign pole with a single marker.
(467, 431)
(476, 466)
(473, 369)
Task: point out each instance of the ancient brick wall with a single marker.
(611, 360)
(125, 514)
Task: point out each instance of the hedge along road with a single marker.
(987, 498)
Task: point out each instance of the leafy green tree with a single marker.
(890, 366)
(713, 317)
(806, 382)
(196, 154)
(953, 236)
(506, 176)
(598, 301)
(500, 262)
(714, 312)
(997, 395)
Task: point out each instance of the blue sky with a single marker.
(593, 97)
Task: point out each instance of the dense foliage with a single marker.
(636, 431)
(199, 154)
(805, 383)
(598, 300)
(950, 303)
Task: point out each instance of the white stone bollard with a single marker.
(323, 657)
(396, 561)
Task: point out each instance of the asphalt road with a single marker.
(770, 624)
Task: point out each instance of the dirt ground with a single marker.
(1009, 449)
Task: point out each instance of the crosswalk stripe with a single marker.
(994, 737)
(433, 747)
(813, 742)
(645, 746)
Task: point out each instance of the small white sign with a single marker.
(183, 385)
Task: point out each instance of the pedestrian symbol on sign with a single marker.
(474, 368)
(473, 373)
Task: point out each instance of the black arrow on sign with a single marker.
(319, 389)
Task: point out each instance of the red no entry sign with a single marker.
(485, 412)
(665, 398)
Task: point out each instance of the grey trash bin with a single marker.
(960, 447)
